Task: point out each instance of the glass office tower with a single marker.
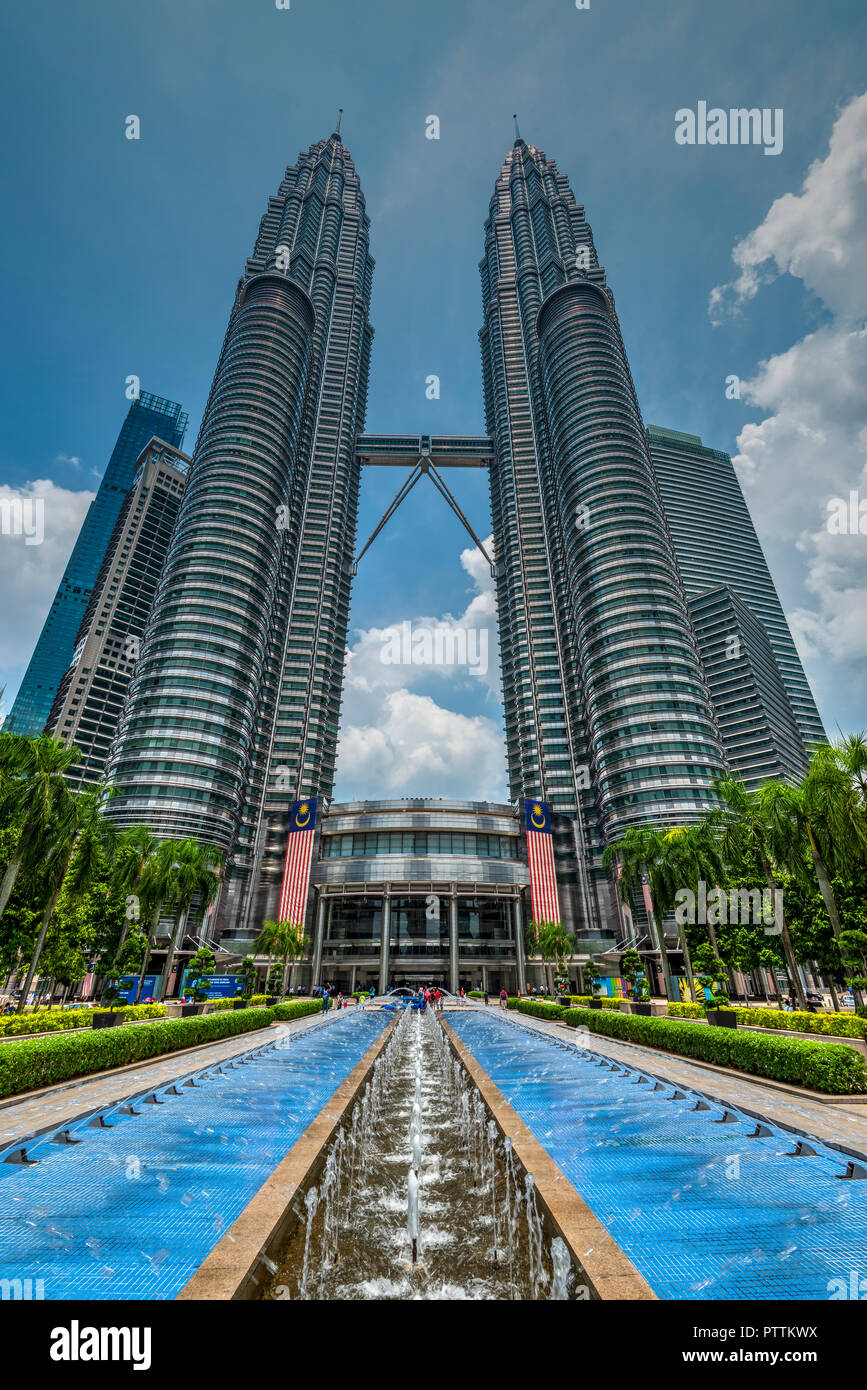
(759, 732)
(91, 695)
(149, 415)
(607, 711)
(234, 708)
(716, 543)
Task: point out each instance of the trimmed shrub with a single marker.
(685, 1010)
(582, 1001)
(296, 1008)
(830, 1067)
(837, 1025)
(62, 1020)
(540, 1009)
(31, 1063)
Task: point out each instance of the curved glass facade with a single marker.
(608, 716)
(235, 704)
(208, 638)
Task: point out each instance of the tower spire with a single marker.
(517, 131)
(339, 119)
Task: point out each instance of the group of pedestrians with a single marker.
(430, 997)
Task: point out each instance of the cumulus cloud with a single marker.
(30, 573)
(418, 748)
(816, 235)
(811, 446)
(396, 738)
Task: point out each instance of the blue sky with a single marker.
(121, 256)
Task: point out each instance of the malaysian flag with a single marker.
(296, 872)
(540, 852)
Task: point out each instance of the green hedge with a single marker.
(839, 1025)
(685, 1010)
(830, 1067)
(582, 1001)
(36, 1062)
(296, 1008)
(62, 1020)
(540, 1009)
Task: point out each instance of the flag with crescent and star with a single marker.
(296, 871)
(540, 854)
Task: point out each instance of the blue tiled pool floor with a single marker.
(132, 1210)
(702, 1211)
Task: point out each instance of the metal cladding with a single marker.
(607, 711)
(254, 600)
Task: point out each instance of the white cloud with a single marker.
(817, 235)
(29, 574)
(417, 748)
(396, 740)
(812, 445)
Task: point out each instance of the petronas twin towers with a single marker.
(234, 708)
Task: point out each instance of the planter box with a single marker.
(240, 1004)
(564, 1000)
(271, 1000)
(181, 1010)
(645, 1009)
(595, 1004)
(722, 1018)
(106, 1020)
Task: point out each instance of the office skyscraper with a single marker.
(149, 415)
(234, 707)
(760, 735)
(607, 711)
(715, 543)
(91, 695)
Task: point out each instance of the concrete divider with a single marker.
(235, 1268)
(607, 1271)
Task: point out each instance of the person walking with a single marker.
(486, 998)
(326, 999)
(504, 999)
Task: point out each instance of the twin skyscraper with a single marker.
(233, 709)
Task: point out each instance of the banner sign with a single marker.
(217, 986)
(540, 854)
(126, 988)
(296, 870)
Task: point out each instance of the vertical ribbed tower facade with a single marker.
(607, 711)
(148, 416)
(234, 708)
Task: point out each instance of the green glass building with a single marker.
(715, 543)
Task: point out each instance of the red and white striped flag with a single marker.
(540, 853)
(296, 871)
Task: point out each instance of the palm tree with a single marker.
(819, 824)
(644, 855)
(75, 859)
(556, 944)
(748, 835)
(194, 871)
(156, 889)
(266, 942)
(135, 852)
(851, 754)
(291, 944)
(35, 798)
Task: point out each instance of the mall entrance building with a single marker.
(419, 892)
